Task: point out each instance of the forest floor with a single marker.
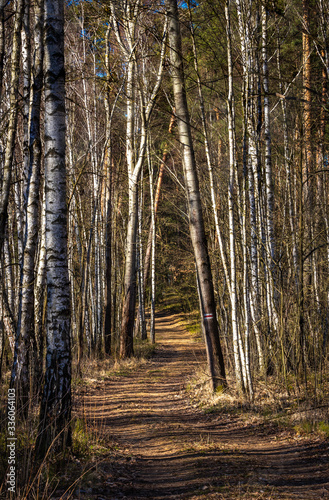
(167, 447)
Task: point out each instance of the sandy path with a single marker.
(176, 451)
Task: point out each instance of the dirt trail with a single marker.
(176, 451)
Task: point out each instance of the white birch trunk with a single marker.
(134, 156)
(55, 413)
(153, 228)
(40, 286)
(25, 344)
(141, 266)
(251, 160)
(238, 349)
(12, 125)
(271, 284)
(26, 67)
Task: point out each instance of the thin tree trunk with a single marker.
(209, 162)
(148, 252)
(141, 285)
(251, 157)
(26, 70)
(238, 349)
(40, 289)
(134, 160)
(197, 232)
(12, 126)
(151, 235)
(25, 343)
(153, 240)
(108, 169)
(271, 284)
(2, 42)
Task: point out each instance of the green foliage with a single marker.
(309, 427)
(80, 438)
(87, 440)
(304, 427)
(324, 428)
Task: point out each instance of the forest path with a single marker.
(174, 450)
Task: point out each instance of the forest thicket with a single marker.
(149, 148)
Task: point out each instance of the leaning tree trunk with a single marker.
(197, 231)
(55, 413)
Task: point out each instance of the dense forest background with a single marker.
(111, 173)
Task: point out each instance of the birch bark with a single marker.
(55, 412)
(10, 143)
(26, 347)
(134, 155)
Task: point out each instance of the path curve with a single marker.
(176, 451)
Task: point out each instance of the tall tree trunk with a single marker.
(108, 173)
(197, 232)
(247, 28)
(306, 179)
(128, 310)
(141, 284)
(238, 349)
(134, 158)
(150, 251)
(271, 284)
(153, 241)
(2, 42)
(55, 413)
(26, 348)
(209, 162)
(12, 126)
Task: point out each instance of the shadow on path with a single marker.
(176, 451)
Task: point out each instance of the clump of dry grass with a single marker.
(272, 404)
(200, 391)
(93, 370)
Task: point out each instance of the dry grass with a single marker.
(272, 404)
(61, 475)
(93, 370)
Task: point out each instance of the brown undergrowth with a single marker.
(271, 405)
(73, 471)
(150, 428)
(183, 442)
(289, 406)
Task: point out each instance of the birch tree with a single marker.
(12, 125)
(55, 413)
(134, 160)
(26, 342)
